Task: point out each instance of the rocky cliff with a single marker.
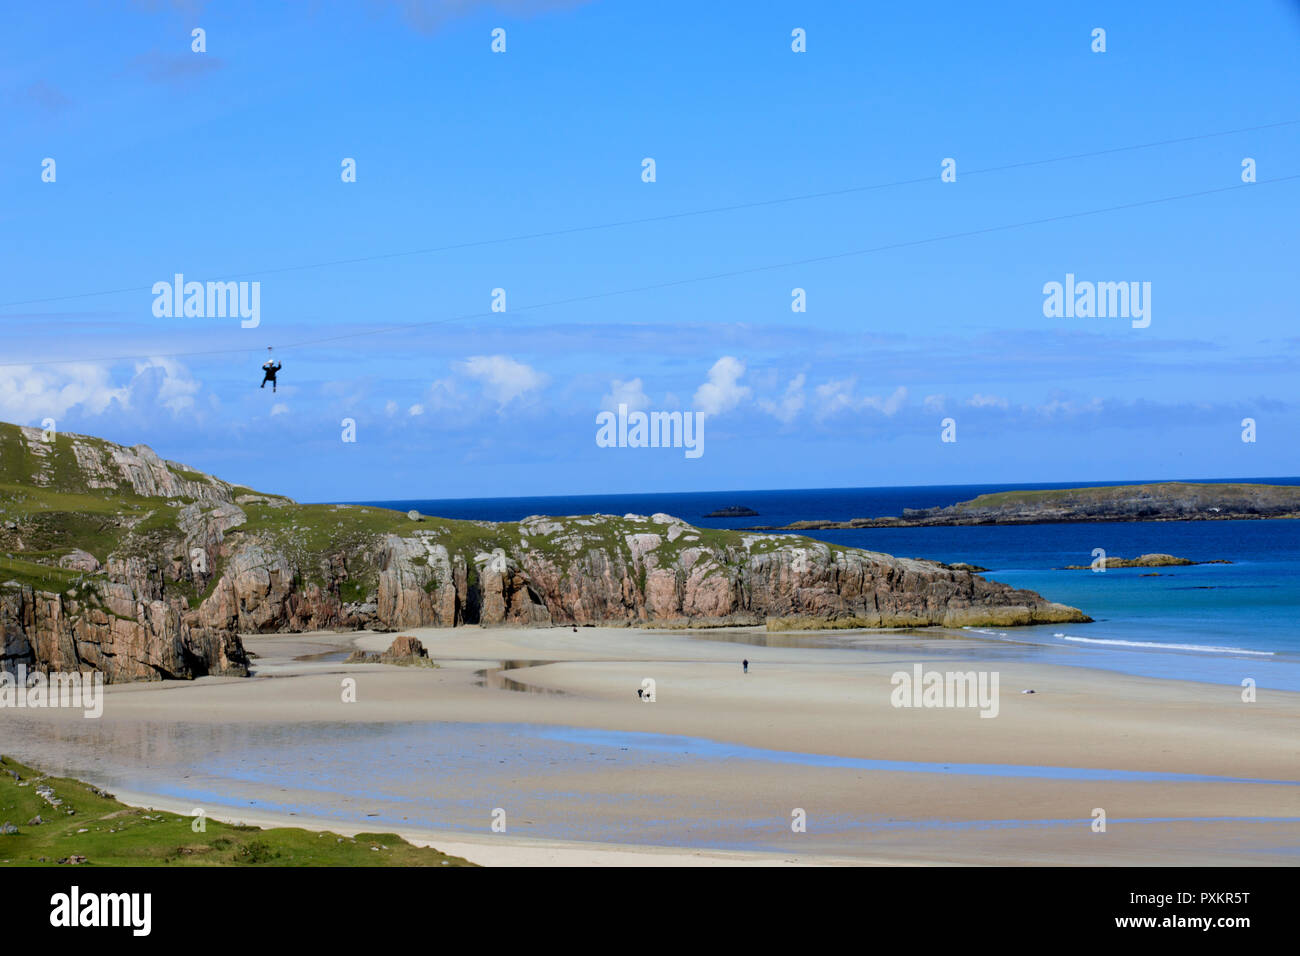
(112, 558)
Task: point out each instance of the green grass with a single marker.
(52, 465)
(118, 835)
(1114, 492)
(41, 577)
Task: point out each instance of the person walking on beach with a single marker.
(745, 664)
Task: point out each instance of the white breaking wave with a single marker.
(1203, 648)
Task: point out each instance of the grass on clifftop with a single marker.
(109, 833)
(1104, 493)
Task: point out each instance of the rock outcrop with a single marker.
(123, 638)
(407, 646)
(1141, 561)
(159, 580)
(572, 571)
(405, 651)
(733, 511)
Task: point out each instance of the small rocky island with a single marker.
(1164, 501)
(733, 511)
(1142, 561)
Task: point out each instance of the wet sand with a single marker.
(546, 726)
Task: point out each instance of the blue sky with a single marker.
(227, 164)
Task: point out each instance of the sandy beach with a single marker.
(545, 726)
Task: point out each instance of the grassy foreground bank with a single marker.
(83, 826)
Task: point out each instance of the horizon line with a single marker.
(1278, 479)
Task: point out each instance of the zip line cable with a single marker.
(665, 217)
(688, 281)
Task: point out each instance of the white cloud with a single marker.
(986, 401)
(390, 408)
(279, 408)
(834, 396)
(503, 378)
(722, 392)
(631, 394)
(28, 393)
(415, 410)
(791, 403)
(175, 387)
(890, 405)
(837, 396)
(934, 403)
(31, 393)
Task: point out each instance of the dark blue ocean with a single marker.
(1219, 623)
